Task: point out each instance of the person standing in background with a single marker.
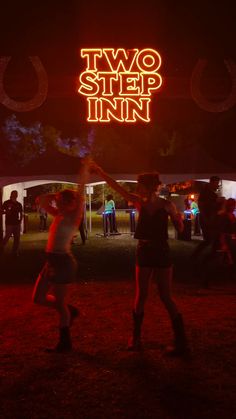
(195, 212)
(13, 211)
(110, 214)
(82, 231)
(208, 207)
(42, 219)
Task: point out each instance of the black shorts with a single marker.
(151, 254)
(60, 268)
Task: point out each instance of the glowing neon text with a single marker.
(118, 84)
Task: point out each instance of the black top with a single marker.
(13, 212)
(152, 226)
(207, 202)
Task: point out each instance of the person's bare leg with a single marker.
(55, 300)
(141, 290)
(41, 290)
(64, 343)
(60, 292)
(164, 283)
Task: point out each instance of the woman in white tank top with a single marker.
(60, 268)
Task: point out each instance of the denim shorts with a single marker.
(152, 254)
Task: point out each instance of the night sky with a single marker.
(182, 32)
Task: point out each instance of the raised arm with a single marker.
(115, 185)
(45, 201)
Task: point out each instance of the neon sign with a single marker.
(118, 84)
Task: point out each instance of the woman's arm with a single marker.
(175, 216)
(45, 201)
(115, 185)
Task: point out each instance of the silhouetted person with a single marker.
(230, 228)
(42, 219)
(132, 217)
(82, 231)
(226, 233)
(208, 207)
(222, 251)
(14, 213)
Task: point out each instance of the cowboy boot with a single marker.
(135, 343)
(74, 312)
(64, 345)
(180, 342)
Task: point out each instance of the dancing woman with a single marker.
(153, 253)
(59, 271)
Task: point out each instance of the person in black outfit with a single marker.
(132, 211)
(230, 230)
(153, 254)
(82, 231)
(223, 254)
(42, 219)
(14, 213)
(208, 203)
(208, 207)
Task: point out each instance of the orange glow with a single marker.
(119, 83)
(137, 110)
(149, 60)
(119, 109)
(120, 58)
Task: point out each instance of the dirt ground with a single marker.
(100, 379)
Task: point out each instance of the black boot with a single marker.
(74, 312)
(64, 345)
(180, 342)
(135, 343)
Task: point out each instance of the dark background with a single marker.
(183, 32)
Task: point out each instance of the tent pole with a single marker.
(1, 216)
(90, 210)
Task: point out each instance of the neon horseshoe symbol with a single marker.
(198, 97)
(41, 94)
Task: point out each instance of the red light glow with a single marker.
(118, 84)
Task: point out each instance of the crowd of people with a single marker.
(153, 257)
(218, 225)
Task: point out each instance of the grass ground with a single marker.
(100, 379)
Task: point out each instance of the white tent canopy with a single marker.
(22, 183)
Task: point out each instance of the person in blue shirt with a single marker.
(110, 214)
